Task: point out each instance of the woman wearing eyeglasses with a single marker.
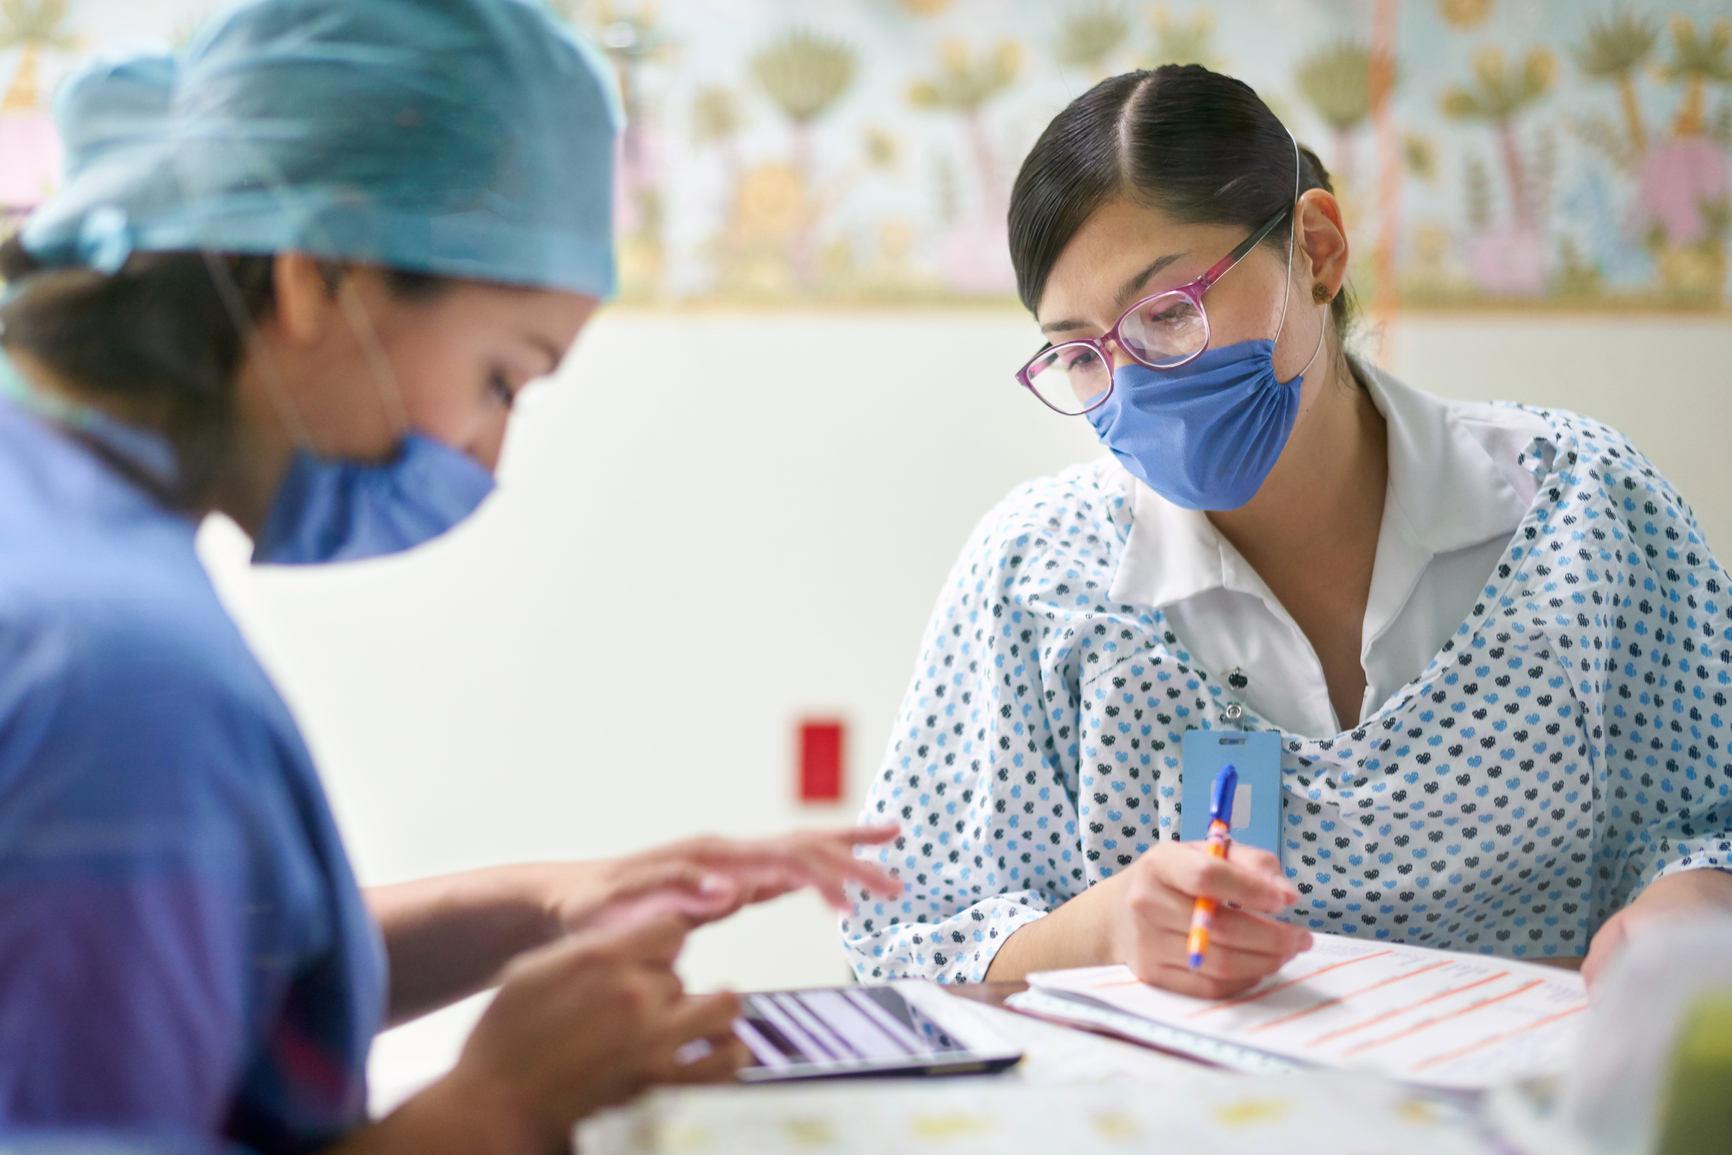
(299, 275)
(1491, 638)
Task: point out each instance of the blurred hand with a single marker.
(1151, 918)
(1674, 896)
(588, 1022)
(704, 879)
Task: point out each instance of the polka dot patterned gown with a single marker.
(1562, 751)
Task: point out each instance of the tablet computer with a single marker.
(902, 1028)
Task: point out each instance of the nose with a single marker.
(1120, 358)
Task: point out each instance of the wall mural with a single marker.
(1544, 153)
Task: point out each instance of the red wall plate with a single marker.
(821, 745)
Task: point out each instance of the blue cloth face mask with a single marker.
(1205, 435)
(329, 511)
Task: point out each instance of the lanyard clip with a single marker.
(1233, 716)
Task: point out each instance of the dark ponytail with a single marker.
(156, 344)
(153, 344)
(1201, 147)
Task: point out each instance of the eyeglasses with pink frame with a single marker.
(1179, 310)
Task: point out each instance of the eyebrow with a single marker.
(1131, 286)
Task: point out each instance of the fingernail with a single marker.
(714, 884)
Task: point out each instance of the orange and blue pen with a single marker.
(1220, 839)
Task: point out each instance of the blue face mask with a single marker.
(328, 511)
(1204, 435)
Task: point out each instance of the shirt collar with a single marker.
(1445, 493)
(1441, 477)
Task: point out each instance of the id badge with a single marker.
(1256, 755)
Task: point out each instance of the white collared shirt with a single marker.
(1455, 494)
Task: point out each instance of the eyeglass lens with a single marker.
(1164, 330)
(1159, 332)
(1070, 378)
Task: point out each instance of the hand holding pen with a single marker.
(1148, 909)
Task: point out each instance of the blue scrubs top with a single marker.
(185, 960)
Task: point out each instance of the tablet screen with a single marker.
(846, 1025)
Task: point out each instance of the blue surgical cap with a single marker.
(462, 138)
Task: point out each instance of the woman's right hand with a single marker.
(586, 1023)
(1151, 918)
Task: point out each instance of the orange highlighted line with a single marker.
(1432, 1022)
(1375, 1019)
(1471, 1047)
(1336, 1001)
(1255, 995)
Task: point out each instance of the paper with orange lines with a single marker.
(1411, 1013)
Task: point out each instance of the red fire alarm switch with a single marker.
(821, 761)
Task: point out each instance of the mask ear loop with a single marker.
(390, 393)
(243, 322)
(1292, 241)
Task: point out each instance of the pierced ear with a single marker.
(1321, 294)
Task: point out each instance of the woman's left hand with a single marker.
(708, 878)
(1676, 895)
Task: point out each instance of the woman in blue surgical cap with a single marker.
(298, 276)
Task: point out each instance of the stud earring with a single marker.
(1321, 294)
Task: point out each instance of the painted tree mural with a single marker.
(1336, 82)
(1089, 36)
(1510, 258)
(29, 147)
(1571, 152)
(1683, 207)
(1616, 49)
(973, 252)
(804, 75)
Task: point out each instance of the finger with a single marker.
(826, 874)
(871, 834)
(872, 875)
(1182, 980)
(724, 1061)
(656, 940)
(1219, 962)
(702, 1017)
(694, 908)
(878, 880)
(1253, 933)
(789, 847)
(1259, 861)
(661, 874)
(836, 862)
(1198, 873)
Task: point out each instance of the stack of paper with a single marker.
(1421, 1016)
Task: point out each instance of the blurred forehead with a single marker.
(1102, 268)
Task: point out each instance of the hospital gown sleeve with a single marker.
(1668, 783)
(129, 873)
(981, 769)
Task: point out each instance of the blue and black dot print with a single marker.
(1563, 750)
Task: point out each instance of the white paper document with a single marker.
(1422, 1016)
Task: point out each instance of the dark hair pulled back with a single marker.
(1201, 147)
(157, 343)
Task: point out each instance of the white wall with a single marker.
(713, 523)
